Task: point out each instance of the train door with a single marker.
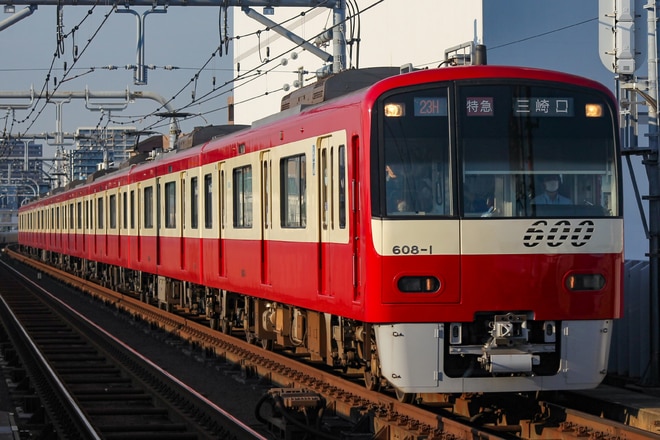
(80, 247)
(222, 218)
(266, 213)
(93, 203)
(158, 217)
(138, 223)
(88, 228)
(114, 225)
(181, 220)
(333, 227)
(351, 207)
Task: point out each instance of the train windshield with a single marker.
(496, 150)
(416, 153)
(536, 151)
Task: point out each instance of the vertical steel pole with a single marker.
(339, 37)
(651, 376)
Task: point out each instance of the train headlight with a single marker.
(585, 281)
(421, 284)
(394, 110)
(593, 110)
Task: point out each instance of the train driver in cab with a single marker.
(551, 196)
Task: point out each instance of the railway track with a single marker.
(90, 385)
(305, 389)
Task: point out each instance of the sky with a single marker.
(561, 35)
(185, 38)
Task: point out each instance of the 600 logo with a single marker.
(558, 233)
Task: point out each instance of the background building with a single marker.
(97, 149)
(21, 173)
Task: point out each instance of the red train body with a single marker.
(396, 229)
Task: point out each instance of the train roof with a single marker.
(337, 85)
(361, 86)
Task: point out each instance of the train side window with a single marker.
(242, 197)
(125, 209)
(149, 207)
(112, 211)
(71, 216)
(132, 209)
(194, 198)
(79, 215)
(326, 197)
(293, 192)
(99, 212)
(342, 186)
(208, 201)
(170, 205)
(265, 182)
(222, 200)
(183, 203)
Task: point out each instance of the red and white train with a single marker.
(445, 230)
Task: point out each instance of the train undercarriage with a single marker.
(338, 342)
(474, 350)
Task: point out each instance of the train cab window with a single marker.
(293, 186)
(242, 197)
(112, 211)
(99, 212)
(208, 201)
(149, 207)
(170, 205)
(535, 151)
(413, 144)
(194, 203)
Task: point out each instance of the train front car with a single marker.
(497, 230)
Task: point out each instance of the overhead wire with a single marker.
(56, 55)
(258, 69)
(199, 100)
(211, 57)
(521, 40)
(249, 75)
(531, 37)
